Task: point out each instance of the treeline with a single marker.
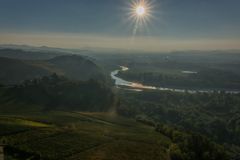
(215, 115)
(58, 92)
(191, 146)
(187, 145)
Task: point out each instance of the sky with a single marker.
(170, 25)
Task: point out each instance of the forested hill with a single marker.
(55, 92)
(77, 67)
(15, 71)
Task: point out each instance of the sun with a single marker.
(140, 14)
(140, 10)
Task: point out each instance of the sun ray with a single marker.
(140, 14)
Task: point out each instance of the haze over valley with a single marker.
(119, 80)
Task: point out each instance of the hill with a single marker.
(214, 115)
(77, 67)
(13, 71)
(79, 135)
(83, 135)
(54, 92)
(29, 131)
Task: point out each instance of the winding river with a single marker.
(119, 82)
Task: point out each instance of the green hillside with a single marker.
(59, 129)
(77, 135)
(15, 71)
(55, 92)
(77, 67)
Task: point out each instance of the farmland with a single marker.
(78, 135)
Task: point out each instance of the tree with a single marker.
(175, 153)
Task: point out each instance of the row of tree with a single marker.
(191, 146)
(58, 92)
(214, 115)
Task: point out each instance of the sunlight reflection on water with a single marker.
(139, 87)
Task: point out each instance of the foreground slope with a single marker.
(78, 135)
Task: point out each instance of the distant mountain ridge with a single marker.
(44, 49)
(28, 55)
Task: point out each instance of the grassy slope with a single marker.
(78, 135)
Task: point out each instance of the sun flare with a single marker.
(140, 15)
(140, 10)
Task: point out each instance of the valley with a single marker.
(85, 107)
(119, 80)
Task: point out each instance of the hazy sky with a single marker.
(174, 24)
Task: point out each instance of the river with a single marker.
(119, 82)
